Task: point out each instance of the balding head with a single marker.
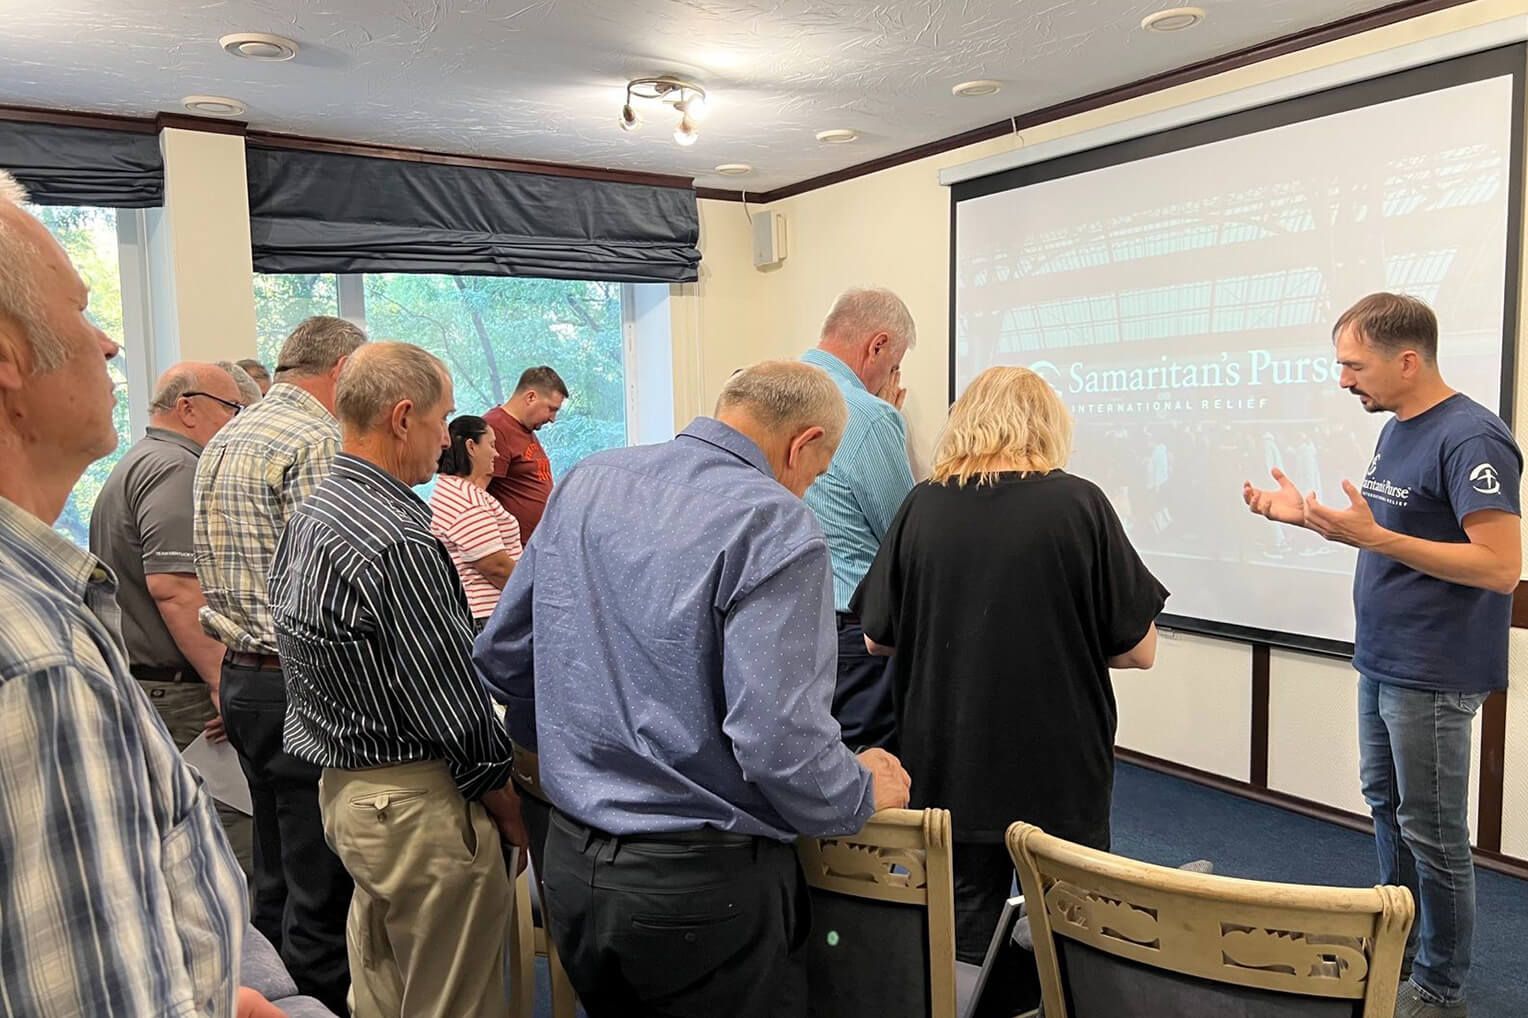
(393, 401)
(792, 411)
(870, 330)
(195, 399)
(56, 398)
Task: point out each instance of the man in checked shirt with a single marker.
(250, 480)
(119, 894)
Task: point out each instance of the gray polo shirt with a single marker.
(141, 525)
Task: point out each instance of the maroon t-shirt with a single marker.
(522, 474)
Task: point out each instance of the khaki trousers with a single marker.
(428, 921)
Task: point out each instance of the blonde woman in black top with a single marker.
(1008, 589)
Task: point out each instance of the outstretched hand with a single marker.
(1282, 505)
(1352, 524)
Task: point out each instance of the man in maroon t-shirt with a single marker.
(522, 474)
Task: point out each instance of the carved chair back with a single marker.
(1125, 939)
(883, 918)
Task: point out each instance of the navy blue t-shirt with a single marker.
(1427, 475)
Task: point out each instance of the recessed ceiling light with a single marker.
(837, 136)
(734, 169)
(214, 106)
(1175, 19)
(258, 46)
(973, 89)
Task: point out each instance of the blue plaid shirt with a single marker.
(857, 498)
(119, 894)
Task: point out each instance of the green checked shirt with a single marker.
(251, 479)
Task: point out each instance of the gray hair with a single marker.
(249, 389)
(864, 311)
(787, 397)
(316, 346)
(254, 368)
(382, 375)
(175, 384)
(20, 296)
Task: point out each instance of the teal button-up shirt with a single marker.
(866, 483)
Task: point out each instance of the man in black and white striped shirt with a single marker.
(376, 645)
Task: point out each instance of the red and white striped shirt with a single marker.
(473, 526)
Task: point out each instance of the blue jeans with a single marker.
(1414, 763)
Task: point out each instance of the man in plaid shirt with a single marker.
(119, 894)
(250, 480)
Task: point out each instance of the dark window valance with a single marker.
(83, 165)
(324, 212)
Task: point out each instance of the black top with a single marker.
(1004, 603)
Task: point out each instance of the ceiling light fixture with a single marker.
(214, 106)
(1175, 19)
(837, 136)
(734, 169)
(687, 98)
(978, 88)
(258, 46)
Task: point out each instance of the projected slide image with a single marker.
(1182, 305)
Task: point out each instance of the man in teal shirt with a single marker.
(862, 344)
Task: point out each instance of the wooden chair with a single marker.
(883, 918)
(1115, 938)
(528, 940)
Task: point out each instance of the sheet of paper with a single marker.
(218, 765)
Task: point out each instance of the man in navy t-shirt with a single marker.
(1436, 522)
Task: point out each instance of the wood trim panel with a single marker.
(72, 118)
(207, 125)
(1493, 755)
(265, 139)
(1258, 768)
(1520, 605)
(720, 194)
(1512, 866)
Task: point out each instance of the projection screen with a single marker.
(1178, 290)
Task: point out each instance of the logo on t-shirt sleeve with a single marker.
(1484, 480)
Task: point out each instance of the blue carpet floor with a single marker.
(1170, 821)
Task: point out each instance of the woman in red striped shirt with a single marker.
(483, 539)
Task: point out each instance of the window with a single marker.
(89, 237)
(282, 301)
(488, 329)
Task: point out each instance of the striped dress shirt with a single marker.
(251, 478)
(119, 894)
(376, 637)
(856, 500)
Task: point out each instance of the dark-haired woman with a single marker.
(483, 539)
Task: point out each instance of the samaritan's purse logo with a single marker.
(1484, 480)
(1373, 466)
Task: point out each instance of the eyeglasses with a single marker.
(235, 407)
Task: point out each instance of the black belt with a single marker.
(148, 673)
(698, 836)
(846, 619)
(259, 662)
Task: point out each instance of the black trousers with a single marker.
(862, 700)
(673, 928)
(301, 890)
(983, 882)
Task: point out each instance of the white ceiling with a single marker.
(544, 79)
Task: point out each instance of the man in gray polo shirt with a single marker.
(141, 528)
